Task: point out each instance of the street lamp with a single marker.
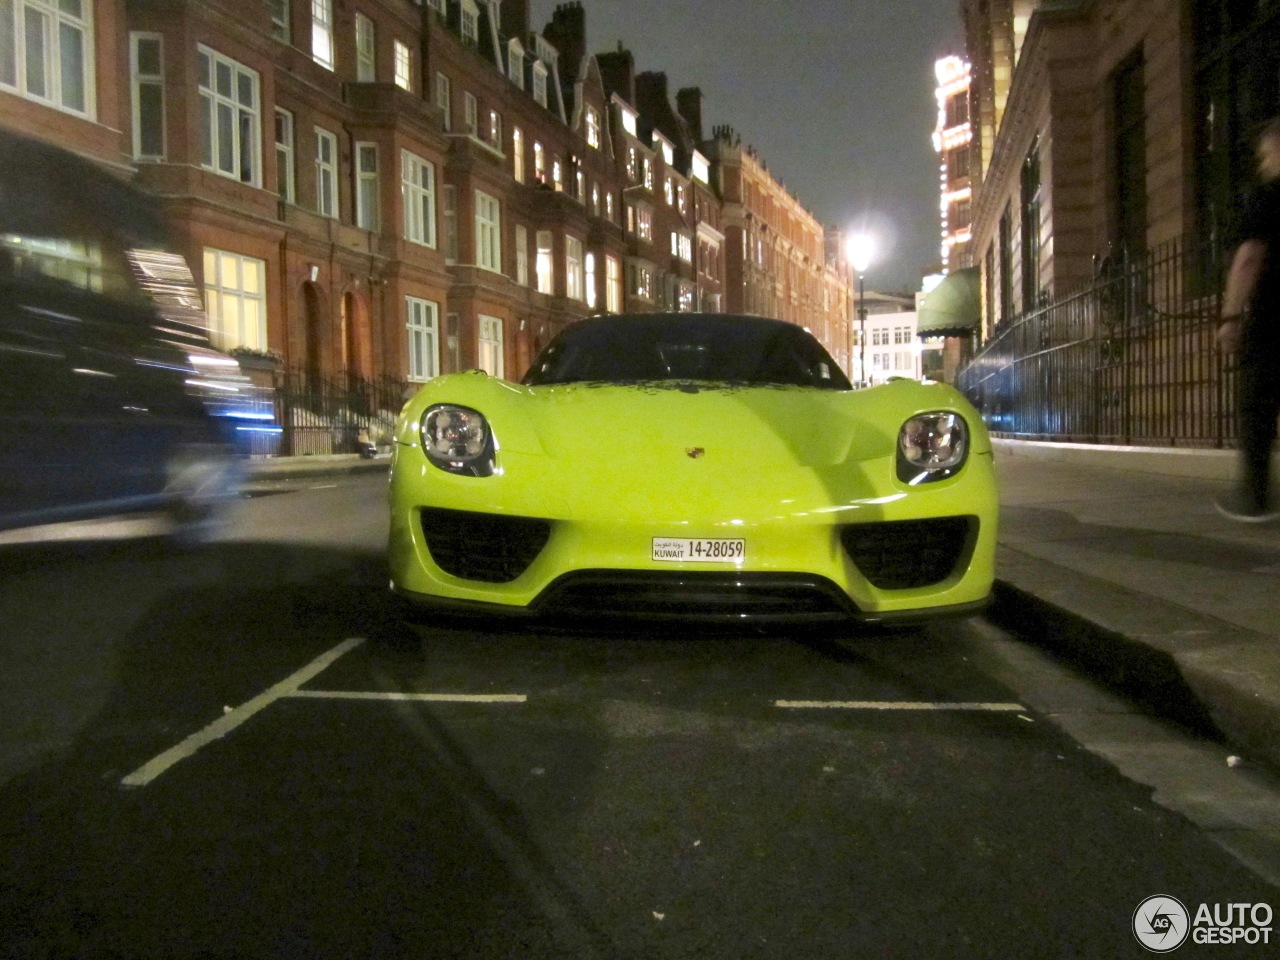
(859, 251)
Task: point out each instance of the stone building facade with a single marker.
(410, 187)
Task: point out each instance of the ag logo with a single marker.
(1161, 924)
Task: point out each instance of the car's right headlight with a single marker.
(932, 446)
(458, 439)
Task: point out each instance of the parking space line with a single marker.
(234, 718)
(425, 697)
(895, 705)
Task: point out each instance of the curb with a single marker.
(297, 468)
(1211, 676)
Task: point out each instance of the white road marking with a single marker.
(425, 697)
(324, 486)
(229, 721)
(894, 705)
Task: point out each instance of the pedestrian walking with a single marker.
(1250, 329)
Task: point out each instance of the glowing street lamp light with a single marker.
(860, 251)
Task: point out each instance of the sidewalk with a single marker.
(1117, 560)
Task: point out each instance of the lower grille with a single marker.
(694, 596)
(901, 554)
(483, 546)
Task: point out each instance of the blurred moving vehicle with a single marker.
(113, 402)
(692, 466)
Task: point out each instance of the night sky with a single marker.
(835, 95)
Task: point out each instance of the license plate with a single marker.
(679, 549)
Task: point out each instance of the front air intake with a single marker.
(489, 547)
(902, 554)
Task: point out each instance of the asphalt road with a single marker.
(240, 752)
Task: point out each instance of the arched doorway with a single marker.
(355, 336)
(313, 319)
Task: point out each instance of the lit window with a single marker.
(423, 325)
(322, 32)
(490, 346)
(146, 66)
(591, 280)
(229, 119)
(648, 173)
(557, 175)
(539, 163)
(644, 223)
(49, 58)
(488, 232)
(593, 128)
(543, 266)
(613, 284)
(495, 128)
(367, 186)
(517, 154)
(404, 66)
(418, 193)
(235, 299)
(366, 50)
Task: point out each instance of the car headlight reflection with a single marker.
(932, 446)
(458, 439)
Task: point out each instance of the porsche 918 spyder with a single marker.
(692, 466)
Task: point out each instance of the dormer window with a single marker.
(628, 120)
(437, 6)
(540, 83)
(515, 63)
(470, 22)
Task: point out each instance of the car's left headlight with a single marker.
(458, 439)
(932, 446)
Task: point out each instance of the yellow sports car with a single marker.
(692, 466)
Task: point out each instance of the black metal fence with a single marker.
(334, 414)
(1129, 358)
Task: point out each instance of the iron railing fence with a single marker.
(1128, 358)
(333, 414)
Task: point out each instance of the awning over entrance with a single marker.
(952, 308)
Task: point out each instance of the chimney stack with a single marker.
(689, 106)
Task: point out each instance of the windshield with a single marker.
(752, 351)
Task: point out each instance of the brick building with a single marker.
(409, 187)
(1106, 129)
